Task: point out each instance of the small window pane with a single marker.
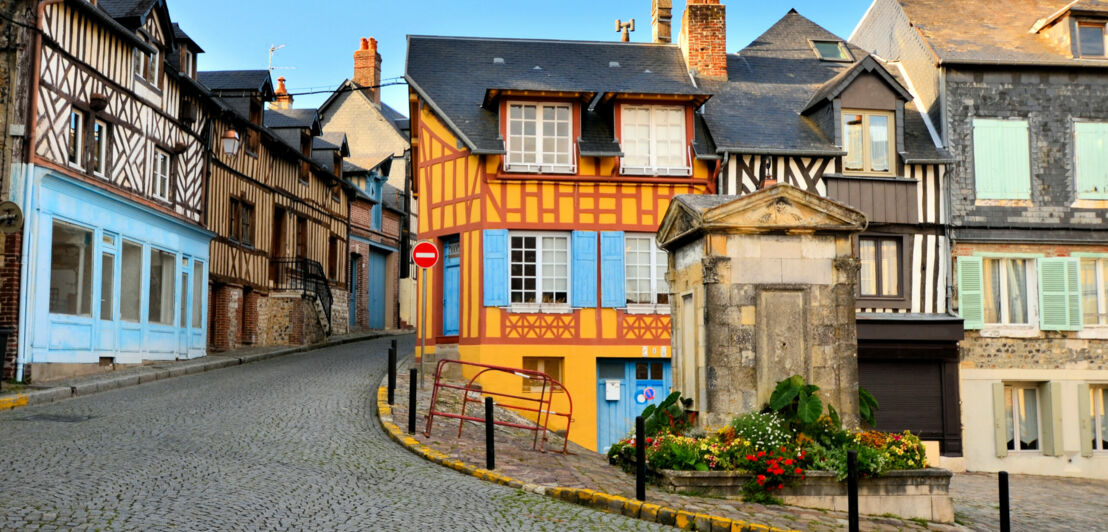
(99, 147)
(890, 268)
(107, 287)
(161, 287)
(879, 143)
(184, 299)
(197, 295)
(1089, 301)
(1092, 40)
(1028, 418)
(830, 50)
(76, 136)
(71, 270)
(852, 138)
(1017, 290)
(656, 371)
(642, 371)
(130, 282)
(991, 287)
(868, 276)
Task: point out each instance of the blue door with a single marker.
(641, 382)
(451, 286)
(376, 285)
(355, 265)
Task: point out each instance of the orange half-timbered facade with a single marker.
(542, 170)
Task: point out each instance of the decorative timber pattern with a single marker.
(645, 326)
(540, 326)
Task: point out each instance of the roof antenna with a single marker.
(272, 50)
(624, 27)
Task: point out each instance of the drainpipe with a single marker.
(949, 241)
(28, 191)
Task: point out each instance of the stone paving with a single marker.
(289, 443)
(1038, 503)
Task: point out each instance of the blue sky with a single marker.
(320, 37)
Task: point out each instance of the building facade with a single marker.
(1019, 94)
(801, 106)
(115, 254)
(542, 170)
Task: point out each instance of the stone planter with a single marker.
(919, 493)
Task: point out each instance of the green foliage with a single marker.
(667, 416)
(796, 401)
(867, 407)
(764, 430)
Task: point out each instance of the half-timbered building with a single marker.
(115, 255)
(280, 216)
(1018, 92)
(542, 170)
(800, 105)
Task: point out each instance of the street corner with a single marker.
(14, 401)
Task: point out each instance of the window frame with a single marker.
(654, 307)
(87, 271)
(903, 271)
(1100, 281)
(538, 305)
(77, 134)
(540, 166)
(540, 365)
(1032, 289)
(172, 278)
(1098, 397)
(1010, 390)
(653, 167)
(157, 179)
(867, 155)
(100, 147)
(848, 56)
(1103, 36)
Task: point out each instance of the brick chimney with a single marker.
(367, 68)
(283, 99)
(703, 39)
(661, 16)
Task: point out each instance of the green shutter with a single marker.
(971, 302)
(1059, 294)
(1001, 159)
(1000, 423)
(1051, 416)
(1091, 151)
(1085, 418)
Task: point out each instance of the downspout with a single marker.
(949, 242)
(28, 191)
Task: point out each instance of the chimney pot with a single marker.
(282, 100)
(365, 43)
(367, 68)
(661, 16)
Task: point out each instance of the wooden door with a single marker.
(277, 242)
(301, 237)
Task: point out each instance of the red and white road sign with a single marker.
(425, 254)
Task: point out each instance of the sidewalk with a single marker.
(17, 395)
(551, 473)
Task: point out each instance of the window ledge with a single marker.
(641, 171)
(538, 308)
(647, 309)
(1090, 203)
(1002, 203)
(524, 168)
(1094, 332)
(1009, 331)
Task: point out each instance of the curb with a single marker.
(597, 500)
(154, 373)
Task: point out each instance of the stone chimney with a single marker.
(367, 68)
(703, 39)
(283, 99)
(661, 16)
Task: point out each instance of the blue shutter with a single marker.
(496, 267)
(1092, 159)
(971, 302)
(613, 292)
(1059, 294)
(583, 291)
(1001, 159)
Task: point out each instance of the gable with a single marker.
(867, 91)
(783, 208)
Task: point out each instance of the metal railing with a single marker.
(305, 275)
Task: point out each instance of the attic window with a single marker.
(831, 51)
(498, 60)
(613, 64)
(1091, 39)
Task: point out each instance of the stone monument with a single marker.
(762, 288)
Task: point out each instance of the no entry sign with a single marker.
(425, 254)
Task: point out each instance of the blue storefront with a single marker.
(108, 280)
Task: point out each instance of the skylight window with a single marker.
(831, 51)
(1091, 40)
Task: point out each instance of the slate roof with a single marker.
(989, 32)
(236, 80)
(292, 118)
(454, 74)
(335, 140)
(399, 121)
(772, 81)
(181, 36)
(126, 8)
(704, 202)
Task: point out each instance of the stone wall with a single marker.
(1048, 350)
(340, 312)
(275, 313)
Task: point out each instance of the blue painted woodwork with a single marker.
(616, 419)
(376, 285)
(496, 267)
(583, 291)
(612, 289)
(355, 267)
(451, 286)
(62, 338)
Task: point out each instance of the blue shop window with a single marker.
(71, 270)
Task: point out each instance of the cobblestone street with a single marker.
(285, 444)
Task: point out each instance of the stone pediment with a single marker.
(780, 209)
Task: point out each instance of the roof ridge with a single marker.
(521, 39)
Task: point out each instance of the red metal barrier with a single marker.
(542, 408)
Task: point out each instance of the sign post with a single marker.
(425, 255)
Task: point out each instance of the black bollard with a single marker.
(1002, 481)
(640, 459)
(392, 374)
(852, 490)
(490, 441)
(393, 344)
(412, 376)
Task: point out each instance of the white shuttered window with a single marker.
(654, 140)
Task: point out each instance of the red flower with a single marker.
(751, 457)
(650, 440)
(799, 471)
(783, 449)
(761, 454)
(761, 479)
(802, 453)
(788, 461)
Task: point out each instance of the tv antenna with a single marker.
(272, 50)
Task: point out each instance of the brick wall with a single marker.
(361, 213)
(11, 246)
(249, 329)
(704, 38)
(226, 313)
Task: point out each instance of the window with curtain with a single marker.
(1094, 291)
(71, 270)
(880, 266)
(1021, 410)
(1005, 286)
(1100, 418)
(868, 141)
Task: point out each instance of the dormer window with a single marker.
(654, 140)
(1091, 39)
(539, 138)
(831, 51)
(867, 141)
(145, 65)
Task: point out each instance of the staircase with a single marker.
(307, 276)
